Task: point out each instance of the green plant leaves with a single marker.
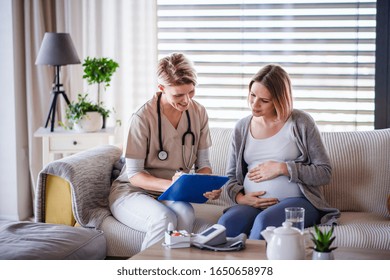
(76, 110)
(323, 239)
(99, 70)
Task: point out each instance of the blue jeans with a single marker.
(252, 221)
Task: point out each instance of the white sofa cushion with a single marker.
(362, 230)
(360, 170)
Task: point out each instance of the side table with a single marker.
(68, 142)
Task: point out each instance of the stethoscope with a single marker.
(163, 155)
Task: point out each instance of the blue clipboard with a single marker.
(191, 187)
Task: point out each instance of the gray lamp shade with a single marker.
(57, 49)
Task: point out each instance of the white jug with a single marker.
(285, 243)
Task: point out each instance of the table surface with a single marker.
(255, 250)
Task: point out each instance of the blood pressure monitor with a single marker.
(214, 235)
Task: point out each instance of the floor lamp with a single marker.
(57, 49)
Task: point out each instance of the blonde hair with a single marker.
(175, 70)
(278, 83)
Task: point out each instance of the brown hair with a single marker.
(175, 70)
(278, 83)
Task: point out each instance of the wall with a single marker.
(15, 194)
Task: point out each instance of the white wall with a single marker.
(15, 194)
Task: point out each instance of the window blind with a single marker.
(327, 47)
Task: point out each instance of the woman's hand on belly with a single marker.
(267, 170)
(254, 199)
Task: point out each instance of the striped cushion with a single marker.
(221, 139)
(362, 230)
(361, 170)
(122, 241)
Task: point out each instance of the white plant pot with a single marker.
(91, 122)
(322, 255)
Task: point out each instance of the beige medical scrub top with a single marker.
(143, 143)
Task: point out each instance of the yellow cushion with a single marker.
(58, 201)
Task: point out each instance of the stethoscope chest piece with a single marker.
(162, 155)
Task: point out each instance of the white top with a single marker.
(279, 147)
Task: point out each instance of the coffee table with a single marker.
(255, 250)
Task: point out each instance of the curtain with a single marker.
(121, 30)
(38, 17)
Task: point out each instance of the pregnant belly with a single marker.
(279, 188)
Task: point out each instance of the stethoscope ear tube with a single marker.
(163, 155)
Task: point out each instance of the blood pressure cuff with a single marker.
(232, 244)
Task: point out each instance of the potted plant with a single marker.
(99, 71)
(322, 243)
(84, 115)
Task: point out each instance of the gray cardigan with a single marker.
(310, 170)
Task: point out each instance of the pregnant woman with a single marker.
(277, 160)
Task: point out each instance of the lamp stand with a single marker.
(54, 96)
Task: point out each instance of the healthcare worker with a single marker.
(170, 132)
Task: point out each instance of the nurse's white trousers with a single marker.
(146, 214)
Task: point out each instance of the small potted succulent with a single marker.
(84, 115)
(322, 243)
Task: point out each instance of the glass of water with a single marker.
(296, 215)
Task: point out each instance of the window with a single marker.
(327, 47)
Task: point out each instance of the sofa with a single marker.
(74, 190)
